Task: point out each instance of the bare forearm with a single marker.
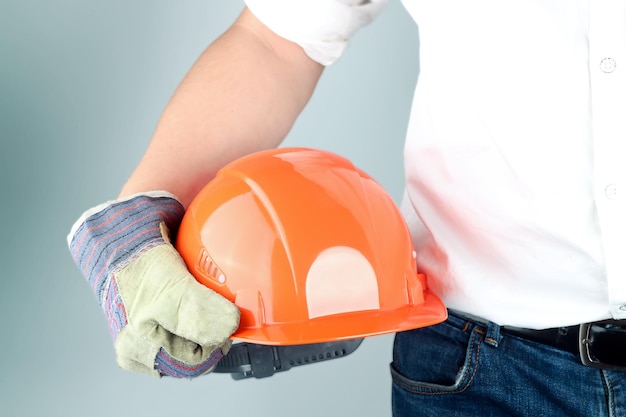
(242, 95)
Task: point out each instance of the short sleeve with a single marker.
(321, 27)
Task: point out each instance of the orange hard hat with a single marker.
(309, 247)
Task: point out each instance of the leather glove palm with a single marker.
(163, 322)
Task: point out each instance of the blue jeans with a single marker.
(463, 368)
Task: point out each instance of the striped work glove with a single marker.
(163, 321)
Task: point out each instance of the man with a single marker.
(513, 162)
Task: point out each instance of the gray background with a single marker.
(82, 85)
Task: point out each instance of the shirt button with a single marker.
(608, 65)
(611, 192)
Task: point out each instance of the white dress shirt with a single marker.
(514, 153)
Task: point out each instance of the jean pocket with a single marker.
(441, 359)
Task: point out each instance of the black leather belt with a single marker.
(600, 344)
(564, 338)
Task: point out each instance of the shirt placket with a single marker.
(607, 65)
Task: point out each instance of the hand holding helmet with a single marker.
(308, 248)
(163, 322)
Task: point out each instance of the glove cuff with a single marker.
(108, 236)
(167, 365)
(95, 210)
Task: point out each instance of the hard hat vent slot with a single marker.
(209, 268)
(341, 280)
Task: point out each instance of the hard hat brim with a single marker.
(349, 326)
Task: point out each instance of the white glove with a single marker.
(163, 321)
